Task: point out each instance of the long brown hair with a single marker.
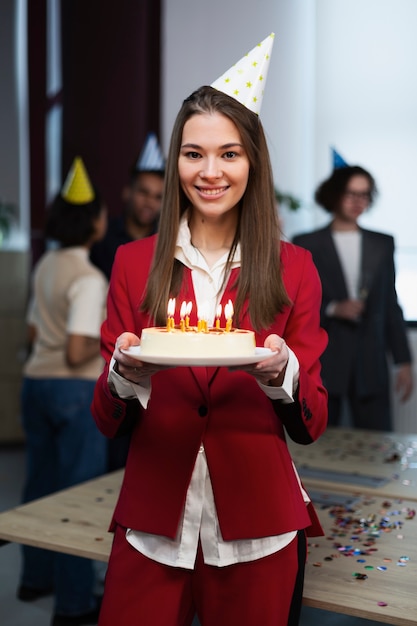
(257, 232)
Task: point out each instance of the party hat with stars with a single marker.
(245, 80)
(77, 188)
(151, 158)
(338, 160)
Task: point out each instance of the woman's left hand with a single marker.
(271, 371)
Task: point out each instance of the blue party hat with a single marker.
(338, 160)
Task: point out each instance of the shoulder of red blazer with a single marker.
(294, 261)
(140, 249)
(134, 259)
(290, 252)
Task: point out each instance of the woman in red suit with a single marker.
(211, 519)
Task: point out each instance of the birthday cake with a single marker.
(193, 343)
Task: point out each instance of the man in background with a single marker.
(142, 204)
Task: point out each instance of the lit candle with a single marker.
(183, 311)
(171, 311)
(218, 314)
(228, 312)
(187, 314)
(202, 325)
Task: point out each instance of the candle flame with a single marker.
(203, 311)
(170, 314)
(219, 311)
(187, 314)
(171, 307)
(183, 310)
(228, 310)
(203, 315)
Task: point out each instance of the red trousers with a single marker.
(142, 592)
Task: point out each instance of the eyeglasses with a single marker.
(365, 196)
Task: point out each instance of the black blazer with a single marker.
(360, 348)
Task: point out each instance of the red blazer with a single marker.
(255, 488)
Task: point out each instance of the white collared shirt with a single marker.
(349, 248)
(199, 518)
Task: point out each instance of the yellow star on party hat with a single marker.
(77, 188)
(245, 80)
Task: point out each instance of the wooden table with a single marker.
(75, 521)
(372, 462)
(330, 583)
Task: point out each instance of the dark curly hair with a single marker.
(329, 193)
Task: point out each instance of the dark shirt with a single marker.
(103, 252)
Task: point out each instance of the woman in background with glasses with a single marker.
(360, 310)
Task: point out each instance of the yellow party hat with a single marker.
(77, 188)
(245, 80)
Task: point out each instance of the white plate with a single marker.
(260, 355)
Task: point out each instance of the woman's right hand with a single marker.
(130, 368)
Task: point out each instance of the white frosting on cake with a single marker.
(159, 341)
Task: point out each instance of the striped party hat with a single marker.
(151, 158)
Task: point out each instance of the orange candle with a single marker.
(228, 312)
(170, 314)
(182, 316)
(202, 325)
(187, 314)
(218, 314)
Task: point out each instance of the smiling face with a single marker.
(144, 197)
(213, 165)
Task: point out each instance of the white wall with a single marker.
(366, 104)
(367, 97)
(342, 74)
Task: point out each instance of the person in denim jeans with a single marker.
(63, 445)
